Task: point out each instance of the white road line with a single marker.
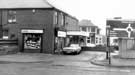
(104, 69)
(125, 70)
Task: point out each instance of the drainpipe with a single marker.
(1, 33)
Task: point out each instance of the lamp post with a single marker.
(108, 56)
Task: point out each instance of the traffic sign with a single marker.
(121, 27)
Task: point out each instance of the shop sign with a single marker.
(31, 31)
(61, 34)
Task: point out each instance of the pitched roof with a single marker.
(13, 4)
(86, 23)
(24, 4)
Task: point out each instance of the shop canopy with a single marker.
(78, 33)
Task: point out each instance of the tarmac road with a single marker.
(57, 65)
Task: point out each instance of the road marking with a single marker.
(92, 69)
(105, 69)
(125, 70)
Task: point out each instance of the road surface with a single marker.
(64, 65)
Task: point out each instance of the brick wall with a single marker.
(41, 19)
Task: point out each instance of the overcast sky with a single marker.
(97, 10)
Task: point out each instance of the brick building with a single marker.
(36, 24)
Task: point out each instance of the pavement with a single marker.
(85, 59)
(80, 60)
(115, 61)
(51, 64)
(25, 58)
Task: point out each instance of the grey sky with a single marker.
(97, 10)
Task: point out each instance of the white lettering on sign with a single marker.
(129, 29)
(31, 31)
(61, 34)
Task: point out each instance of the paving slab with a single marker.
(116, 61)
(25, 57)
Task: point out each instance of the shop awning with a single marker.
(78, 33)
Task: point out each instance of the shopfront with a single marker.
(32, 40)
(78, 37)
(60, 41)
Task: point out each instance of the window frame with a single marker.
(55, 17)
(62, 19)
(93, 29)
(11, 16)
(5, 34)
(84, 29)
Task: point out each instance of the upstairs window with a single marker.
(11, 16)
(62, 19)
(98, 31)
(83, 28)
(55, 17)
(88, 29)
(93, 29)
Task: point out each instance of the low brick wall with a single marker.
(127, 54)
(8, 47)
(127, 48)
(97, 48)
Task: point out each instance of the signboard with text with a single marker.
(61, 34)
(31, 31)
(121, 27)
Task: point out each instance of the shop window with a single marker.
(32, 41)
(74, 40)
(11, 16)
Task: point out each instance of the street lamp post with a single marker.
(108, 56)
(106, 43)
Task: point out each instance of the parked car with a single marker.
(73, 48)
